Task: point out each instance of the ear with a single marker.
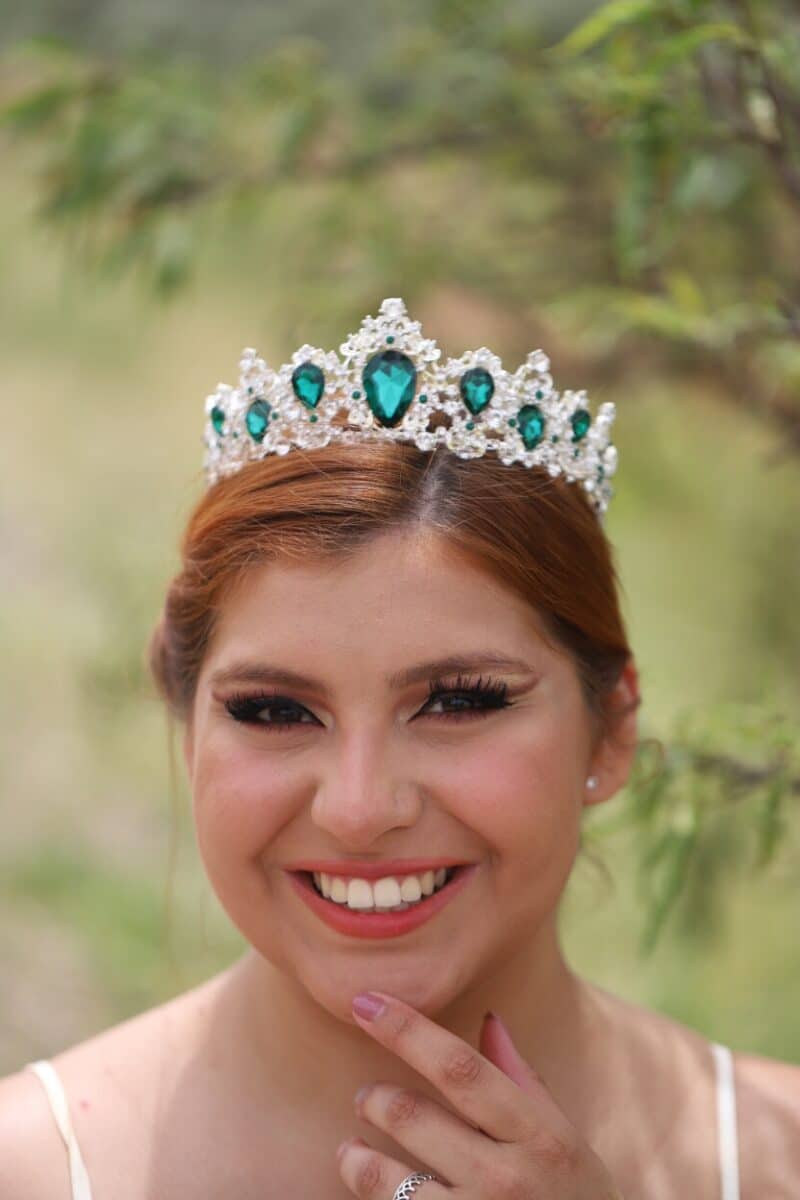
(613, 758)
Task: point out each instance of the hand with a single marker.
(513, 1142)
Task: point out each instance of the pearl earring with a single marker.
(592, 781)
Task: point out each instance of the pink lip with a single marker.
(392, 866)
(379, 925)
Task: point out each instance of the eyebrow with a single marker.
(253, 672)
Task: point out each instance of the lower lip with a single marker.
(379, 925)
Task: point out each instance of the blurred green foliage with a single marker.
(631, 192)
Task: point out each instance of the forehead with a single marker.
(397, 599)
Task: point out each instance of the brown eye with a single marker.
(248, 709)
(474, 699)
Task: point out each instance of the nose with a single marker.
(366, 793)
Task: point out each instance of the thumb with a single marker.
(497, 1045)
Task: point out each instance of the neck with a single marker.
(289, 1050)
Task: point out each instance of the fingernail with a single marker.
(368, 1005)
(501, 1025)
(342, 1147)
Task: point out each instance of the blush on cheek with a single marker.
(238, 804)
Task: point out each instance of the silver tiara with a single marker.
(390, 381)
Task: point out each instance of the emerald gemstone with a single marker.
(539, 393)
(581, 420)
(356, 395)
(217, 418)
(308, 383)
(389, 338)
(470, 424)
(257, 419)
(389, 380)
(531, 425)
(477, 388)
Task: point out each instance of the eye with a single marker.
(479, 697)
(471, 699)
(247, 710)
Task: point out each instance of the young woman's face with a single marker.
(357, 767)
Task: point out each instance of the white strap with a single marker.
(726, 1122)
(58, 1103)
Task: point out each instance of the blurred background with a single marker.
(616, 183)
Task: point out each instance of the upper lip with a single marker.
(394, 866)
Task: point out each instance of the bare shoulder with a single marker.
(768, 1124)
(767, 1100)
(32, 1153)
(112, 1083)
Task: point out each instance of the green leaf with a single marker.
(659, 314)
(685, 290)
(675, 855)
(771, 826)
(38, 109)
(597, 26)
(683, 44)
(300, 123)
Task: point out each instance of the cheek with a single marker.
(520, 797)
(240, 802)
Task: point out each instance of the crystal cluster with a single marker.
(389, 383)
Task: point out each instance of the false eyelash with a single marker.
(493, 693)
(245, 707)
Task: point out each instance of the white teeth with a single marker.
(391, 894)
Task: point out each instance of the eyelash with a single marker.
(492, 695)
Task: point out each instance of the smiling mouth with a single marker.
(452, 873)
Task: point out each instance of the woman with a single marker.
(392, 664)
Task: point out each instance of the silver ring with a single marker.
(410, 1184)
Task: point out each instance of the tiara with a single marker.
(391, 381)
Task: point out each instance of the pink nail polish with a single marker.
(368, 1005)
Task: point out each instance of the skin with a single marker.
(373, 777)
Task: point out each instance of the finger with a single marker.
(498, 1046)
(372, 1175)
(454, 1149)
(478, 1090)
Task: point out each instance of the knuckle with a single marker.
(511, 1184)
(370, 1180)
(461, 1066)
(403, 1107)
(555, 1152)
(402, 1026)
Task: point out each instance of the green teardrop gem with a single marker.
(256, 419)
(217, 418)
(581, 420)
(477, 388)
(531, 425)
(389, 381)
(308, 383)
